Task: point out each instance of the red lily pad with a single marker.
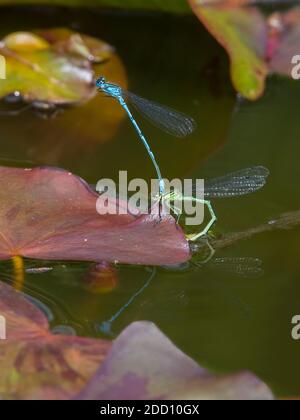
(144, 364)
(48, 213)
(34, 363)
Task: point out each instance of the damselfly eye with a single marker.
(100, 82)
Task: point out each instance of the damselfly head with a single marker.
(100, 83)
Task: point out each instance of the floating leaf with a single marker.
(143, 364)
(242, 32)
(95, 121)
(256, 44)
(48, 213)
(34, 363)
(51, 67)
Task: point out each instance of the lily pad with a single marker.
(48, 213)
(47, 142)
(144, 364)
(242, 32)
(53, 67)
(34, 363)
(256, 44)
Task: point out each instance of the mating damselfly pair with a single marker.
(180, 125)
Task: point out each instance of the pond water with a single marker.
(225, 321)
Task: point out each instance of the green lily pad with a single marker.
(243, 33)
(54, 66)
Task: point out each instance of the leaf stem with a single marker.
(19, 277)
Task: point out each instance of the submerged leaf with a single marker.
(101, 278)
(144, 364)
(48, 213)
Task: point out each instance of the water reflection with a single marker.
(91, 277)
(106, 327)
(244, 267)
